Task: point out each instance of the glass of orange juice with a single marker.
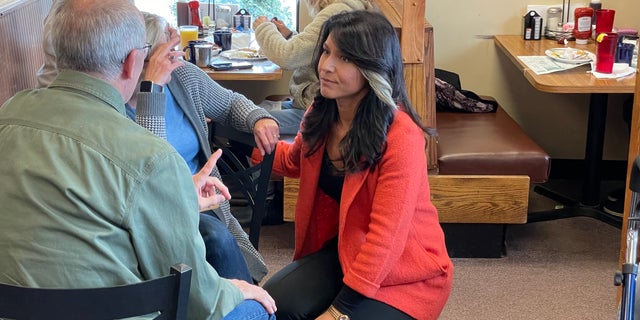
(187, 33)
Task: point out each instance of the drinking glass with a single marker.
(187, 33)
(604, 20)
(606, 44)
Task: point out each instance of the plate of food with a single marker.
(570, 55)
(249, 54)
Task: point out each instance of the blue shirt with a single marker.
(180, 132)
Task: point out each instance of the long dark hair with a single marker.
(369, 41)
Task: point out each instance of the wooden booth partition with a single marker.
(416, 40)
(634, 152)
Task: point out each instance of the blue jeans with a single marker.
(289, 118)
(249, 310)
(222, 250)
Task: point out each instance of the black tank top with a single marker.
(331, 179)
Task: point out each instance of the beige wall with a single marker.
(463, 44)
(557, 122)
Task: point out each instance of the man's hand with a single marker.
(267, 134)
(252, 292)
(206, 185)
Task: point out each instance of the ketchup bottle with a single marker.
(582, 24)
(194, 6)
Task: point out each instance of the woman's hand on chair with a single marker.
(267, 134)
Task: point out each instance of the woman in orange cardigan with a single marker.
(368, 241)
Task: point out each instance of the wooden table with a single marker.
(262, 70)
(576, 80)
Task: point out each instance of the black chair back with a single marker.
(167, 295)
(252, 181)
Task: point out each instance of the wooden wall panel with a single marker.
(480, 199)
(412, 37)
(428, 113)
(416, 40)
(459, 198)
(392, 9)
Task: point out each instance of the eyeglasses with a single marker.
(147, 50)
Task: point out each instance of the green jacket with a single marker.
(88, 198)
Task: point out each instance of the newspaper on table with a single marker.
(544, 64)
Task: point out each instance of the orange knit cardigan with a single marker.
(390, 243)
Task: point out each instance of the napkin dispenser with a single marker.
(242, 20)
(532, 24)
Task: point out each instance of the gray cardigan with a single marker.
(200, 97)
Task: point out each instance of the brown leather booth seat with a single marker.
(488, 144)
(486, 164)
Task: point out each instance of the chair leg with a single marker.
(260, 207)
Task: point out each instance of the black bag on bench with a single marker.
(451, 98)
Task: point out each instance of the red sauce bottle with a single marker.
(582, 24)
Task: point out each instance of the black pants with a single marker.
(305, 288)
